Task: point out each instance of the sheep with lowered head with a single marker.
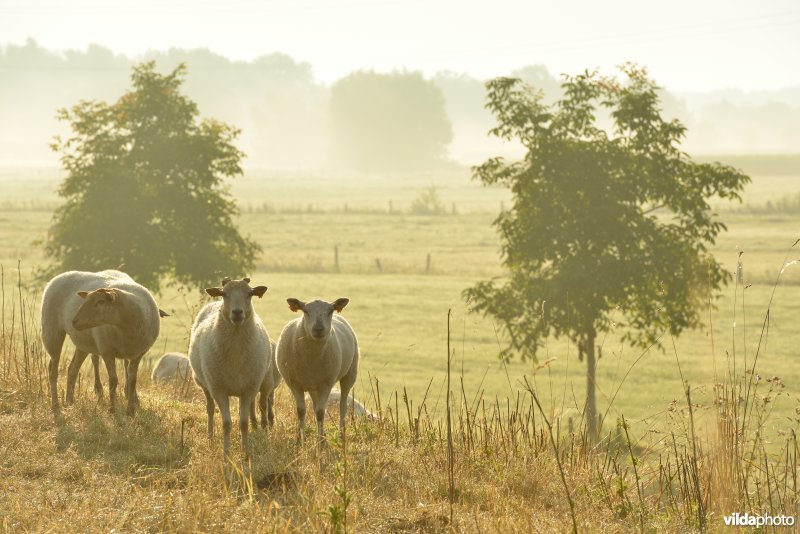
(315, 351)
(104, 313)
(229, 352)
(98, 385)
(171, 366)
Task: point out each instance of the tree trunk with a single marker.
(591, 406)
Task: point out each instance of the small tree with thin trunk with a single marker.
(146, 190)
(606, 221)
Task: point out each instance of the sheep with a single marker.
(105, 313)
(315, 351)
(229, 353)
(359, 410)
(171, 366)
(98, 385)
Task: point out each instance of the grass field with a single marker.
(400, 312)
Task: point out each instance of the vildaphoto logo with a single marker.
(747, 520)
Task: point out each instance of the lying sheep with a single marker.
(171, 366)
(229, 353)
(358, 409)
(104, 313)
(315, 351)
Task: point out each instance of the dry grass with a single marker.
(515, 467)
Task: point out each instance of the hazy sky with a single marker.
(693, 45)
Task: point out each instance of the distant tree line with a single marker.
(289, 120)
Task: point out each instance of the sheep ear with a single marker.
(162, 313)
(258, 291)
(339, 304)
(214, 291)
(246, 280)
(83, 294)
(225, 280)
(296, 305)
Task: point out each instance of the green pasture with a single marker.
(400, 311)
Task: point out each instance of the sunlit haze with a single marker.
(688, 46)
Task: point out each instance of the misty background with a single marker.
(285, 112)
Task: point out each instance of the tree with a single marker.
(145, 188)
(388, 122)
(601, 220)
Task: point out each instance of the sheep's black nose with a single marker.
(237, 315)
(318, 331)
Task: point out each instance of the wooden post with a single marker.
(591, 405)
(378, 265)
(428, 264)
(336, 257)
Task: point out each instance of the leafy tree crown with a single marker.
(394, 121)
(609, 225)
(145, 188)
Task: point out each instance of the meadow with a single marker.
(399, 310)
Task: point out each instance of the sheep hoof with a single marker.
(58, 418)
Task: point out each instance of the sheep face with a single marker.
(317, 315)
(237, 298)
(99, 307)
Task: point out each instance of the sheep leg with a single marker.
(300, 401)
(245, 404)
(53, 342)
(320, 400)
(253, 419)
(345, 385)
(111, 369)
(98, 386)
(52, 372)
(210, 412)
(262, 407)
(270, 411)
(225, 411)
(72, 373)
(131, 374)
(125, 370)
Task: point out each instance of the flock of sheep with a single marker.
(107, 314)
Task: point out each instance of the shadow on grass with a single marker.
(125, 443)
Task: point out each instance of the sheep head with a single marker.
(99, 307)
(237, 298)
(317, 315)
